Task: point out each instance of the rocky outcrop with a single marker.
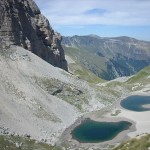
(21, 23)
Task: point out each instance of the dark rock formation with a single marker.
(21, 23)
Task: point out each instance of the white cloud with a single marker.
(115, 12)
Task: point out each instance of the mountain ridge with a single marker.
(109, 58)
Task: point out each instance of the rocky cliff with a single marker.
(22, 24)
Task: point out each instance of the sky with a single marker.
(106, 18)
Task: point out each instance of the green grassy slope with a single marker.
(108, 58)
(140, 81)
(21, 143)
(78, 68)
(142, 143)
(85, 74)
(141, 77)
(96, 64)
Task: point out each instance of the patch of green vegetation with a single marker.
(142, 143)
(87, 58)
(139, 80)
(22, 143)
(114, 88)
(114, 92)
(114, 84)
(79, 68)
(140, 77)
(67, 92)
(106, 95)
(84, 73)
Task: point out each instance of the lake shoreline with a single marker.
(104, 115)
(122, 136)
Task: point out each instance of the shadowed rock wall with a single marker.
(21, 23)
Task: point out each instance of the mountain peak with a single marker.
(94, 35)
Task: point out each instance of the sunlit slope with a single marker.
(109, 58)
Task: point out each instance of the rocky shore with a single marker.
(106, 115)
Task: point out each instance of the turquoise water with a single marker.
(135, 103)
(93, 132)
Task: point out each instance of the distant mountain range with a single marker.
(108, 58)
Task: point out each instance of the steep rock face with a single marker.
(21, 23)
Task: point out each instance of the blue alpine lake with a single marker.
(91, 131)
(136, 103)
